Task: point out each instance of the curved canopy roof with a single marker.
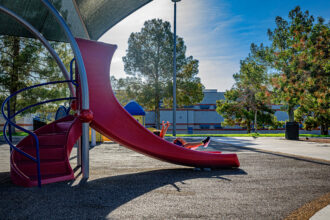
(88, 19)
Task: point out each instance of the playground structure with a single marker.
(136, 111)
(43, 156)
(131, 107)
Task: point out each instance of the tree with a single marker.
(127, 89)
(149, 62)
(25, 62)
(314, 110)
(285, 49)
(300, 51)
(313, 114)
(247, 100)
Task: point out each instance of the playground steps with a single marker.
(56, 141)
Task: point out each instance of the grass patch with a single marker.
(20, 133)
(245, 135)
(313, 135)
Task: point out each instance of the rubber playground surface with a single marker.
(127, 185)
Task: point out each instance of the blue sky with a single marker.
(217, 32)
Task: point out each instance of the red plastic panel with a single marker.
(113, 121)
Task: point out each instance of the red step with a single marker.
(56, 152)
(55, 143)
(47, 167)
(52, 139)
(63, 126)
(59, 127)
(67, 175)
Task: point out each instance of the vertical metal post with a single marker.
(93, 137)
(9, 125)
(85, 150)
(255, 125)
(187, 121)
(79, 152)
(83, 84)
(174, 72)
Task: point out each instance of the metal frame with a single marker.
(78, 143)
(174, 71)
(83, 84)
(80, 18)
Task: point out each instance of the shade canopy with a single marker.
(88, 19)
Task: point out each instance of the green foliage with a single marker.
(25, 62)
(314, 110)
(300, 50)
(286, 49)
(275, 124)
(299, 54)
(312, 114)
(189, 86)
(149, 64)
(249, 98)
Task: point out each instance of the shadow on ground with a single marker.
(97, 198)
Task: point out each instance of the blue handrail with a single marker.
(9, 122)
(71, 72)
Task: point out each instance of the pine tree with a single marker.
(248, 102)
(149, 63)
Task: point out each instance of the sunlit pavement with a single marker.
(300, 148)
(312, 150)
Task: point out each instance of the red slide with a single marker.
(114, 122)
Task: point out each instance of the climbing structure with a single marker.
(55, 144)
(43, 156)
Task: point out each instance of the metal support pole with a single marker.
(93, 137)
(85, 151)
(79, 152)
(83, 85)
(174, 72)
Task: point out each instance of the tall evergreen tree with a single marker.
(288, 83)
(300, 52)
(248, 101)
(314, 63)
(149, 63)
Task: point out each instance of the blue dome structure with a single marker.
(134, 108)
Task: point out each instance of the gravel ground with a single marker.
(127, 185)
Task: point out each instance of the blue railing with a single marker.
(71, 71)
(9, 123)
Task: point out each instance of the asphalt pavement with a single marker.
(126, 185)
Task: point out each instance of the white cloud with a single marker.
(214, 73)
(204, 28)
